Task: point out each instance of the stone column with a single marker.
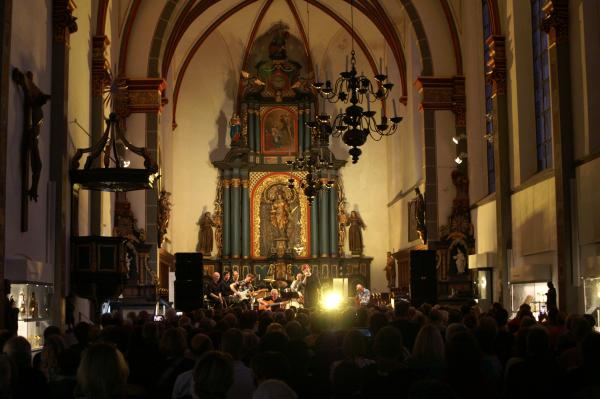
(63, 25)
(556, 25)
(314, 228)
(251, 135)
(333, 220)
(226, 213)
(236, 218)
(245, 216)
(324, 220)
(497, 74)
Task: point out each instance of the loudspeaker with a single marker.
(423, 277)
(188, 295)
(188, 266)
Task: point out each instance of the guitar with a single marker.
(266, 305)
(247, 294)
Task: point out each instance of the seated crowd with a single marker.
(429, 352)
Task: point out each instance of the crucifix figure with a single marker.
(33, 117)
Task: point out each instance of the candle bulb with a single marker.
(394, 105)
(346, 63)
(380, 65)
(317, 72)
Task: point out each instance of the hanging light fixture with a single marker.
(317, 174)
(355, 124)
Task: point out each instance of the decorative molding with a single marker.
(556, 20)
(235, 182)
(63, 21)
(443, 94)
(145, 96)
(226, 183)
(100, 64)
(496, 65)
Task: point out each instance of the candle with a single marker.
(394, 105)
(317, 73)
(380, 65)
(346, 63)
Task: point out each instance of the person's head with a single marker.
(173, 342)
(213, 375)
(429, 345)
(305, 268)
(249, 277)
(401, 308)
(354, 345)
(226, 276)
(274, 293)
(274, 389)
(299, 276)
(236, 275)
(232, 342)
(103, 372)
(50, 331)
(359, 288)
(200, 344)
(18, 351)
(216, 276)
(54, 345)
(550, 285)
(388, 344)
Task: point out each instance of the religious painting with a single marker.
(280, 219)
(458, 255)
(279, 130)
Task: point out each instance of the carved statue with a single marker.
(164, 215)
(390, 270)
(342, 223)
(33, 117)
(235, 128)
(218, 230)
(460, 261)
(420, 216)
(280, 214)
(460, 219)
(206, 234)
(355, 233)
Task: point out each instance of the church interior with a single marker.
(438, 151)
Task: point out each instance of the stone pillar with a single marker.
(556, 25)
(314, 228)
(236, 218)
(251, 135)
(497, 74)
(333, 220)
(63, 25)
(324, 221)
(245, 216)
(226, 213)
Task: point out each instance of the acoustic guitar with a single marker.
(266, 305)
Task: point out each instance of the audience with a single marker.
(417, 353)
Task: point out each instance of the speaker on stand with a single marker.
(189, 293)
(423, 277)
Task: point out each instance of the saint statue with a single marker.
(235, 128)
(420, 215)
(355, 233)
(280, 214)
(218, 231)
(461, 261)
(206, 234)
(390, 270)
(342, 223)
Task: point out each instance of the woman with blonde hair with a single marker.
(102, 373)
(427, 358)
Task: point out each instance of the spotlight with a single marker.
(456, 139)
(460, 158)
(331, 300)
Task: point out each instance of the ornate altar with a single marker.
(263, 224)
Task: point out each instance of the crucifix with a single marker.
(33, 117)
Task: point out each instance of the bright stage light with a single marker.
(331, 300)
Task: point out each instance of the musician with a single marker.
(363, 295)
(236, 276)
(242, 286)
(273, 301)
(312, 286)
(213, 292)
(224, 285)
(298, 285)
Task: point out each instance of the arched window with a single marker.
(541, 84)
(489, 105)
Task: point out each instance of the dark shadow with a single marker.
(220, 149)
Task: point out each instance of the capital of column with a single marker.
(226, 183)
(244, 183)
(235, 182)
(496, 65)
(556, 20)
(444, 93)
(144, 96)
(100, 64)
(63, 21)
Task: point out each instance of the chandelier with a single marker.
(355, 124)
(317, 174)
